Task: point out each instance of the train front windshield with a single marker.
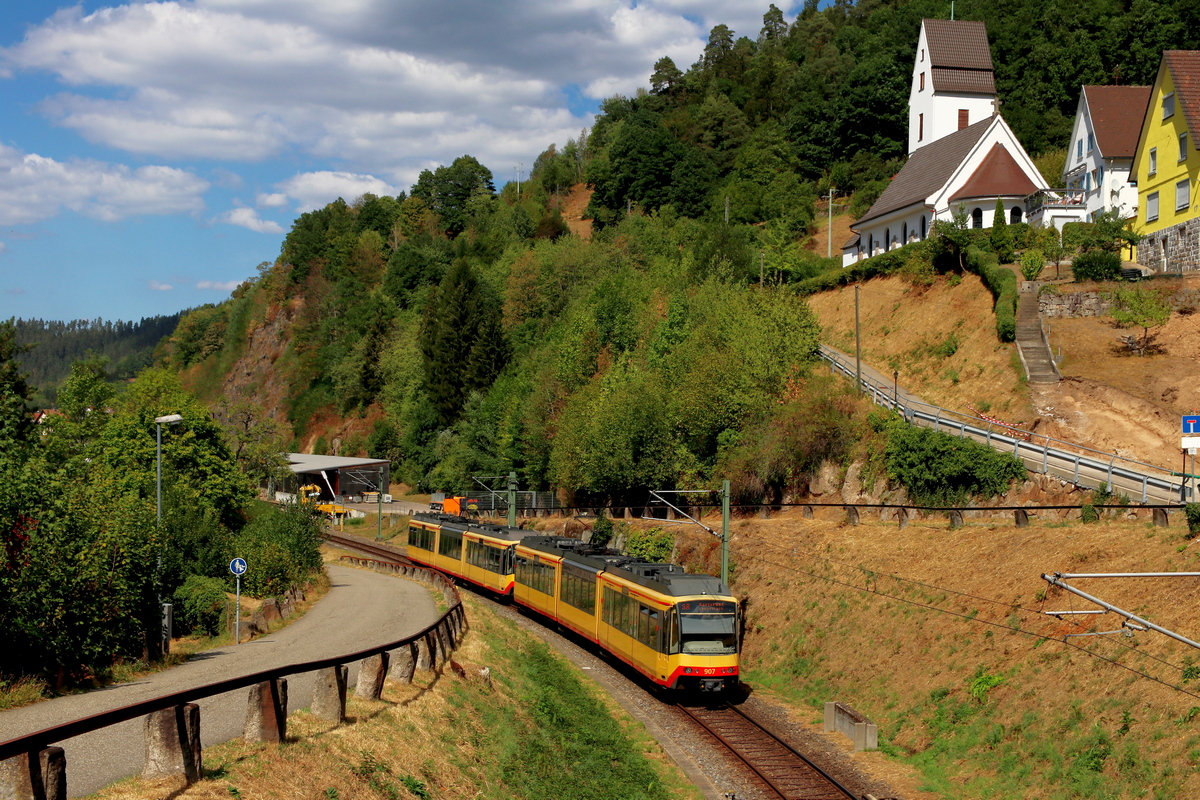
(708, 627)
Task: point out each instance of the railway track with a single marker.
(783, 771)
(374, 549)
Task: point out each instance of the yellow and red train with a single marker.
(680, 630)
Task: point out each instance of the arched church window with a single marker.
(977, 218)
(1015, 215)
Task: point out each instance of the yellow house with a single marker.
(1166, 166)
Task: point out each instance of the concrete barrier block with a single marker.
(1021, 517)
(956, 519)
(173, 744)
(851, 515)
(1160, 517)
(902, 518)
(329, 697)
(371, 673)
(21, 778)
(266, 713)
(53, 762)
(404, 664)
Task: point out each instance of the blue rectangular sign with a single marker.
(1191, 423)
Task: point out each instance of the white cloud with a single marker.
(379, 86)
(248, 218)
(226, 286)
(3, 247)
(35, 188)
(271, 200)
(315, 189)
(159, 286)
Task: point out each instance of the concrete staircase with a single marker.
(1031, 343)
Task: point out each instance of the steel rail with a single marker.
(779, 791)
(1065, 463)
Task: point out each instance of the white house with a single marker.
(1103, 140)
(952, 84)
(967, 170)
(962, 154)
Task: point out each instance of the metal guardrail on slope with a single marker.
(35, 741)
(1068, 461)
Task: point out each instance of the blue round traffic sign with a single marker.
(238, 566)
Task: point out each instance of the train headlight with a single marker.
(687, 670)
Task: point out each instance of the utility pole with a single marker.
(857, 345)
(829, 230)
(726, 209)
(725, 532)
(762, 257)
(520, 168)
(512, 499)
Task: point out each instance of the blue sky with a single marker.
(152, 154)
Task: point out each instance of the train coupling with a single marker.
(712, 684)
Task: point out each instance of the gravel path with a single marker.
(362, 608)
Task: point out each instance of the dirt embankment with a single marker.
(941, 340)
(573, 208)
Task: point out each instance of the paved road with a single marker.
(362, 609)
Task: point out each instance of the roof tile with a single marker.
(1117, 113)
(1185, 72)
(927, 170)
(958, 44)
(967, 81)
(998, 175)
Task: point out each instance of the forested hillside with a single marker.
(54, 346)
(472, 334)
(771, 120)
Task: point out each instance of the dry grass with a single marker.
(819, 243)
(439, 735)
(899, 623)
(941, 339)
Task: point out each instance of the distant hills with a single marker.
(55, 345)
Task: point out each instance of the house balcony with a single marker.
(1047, 199)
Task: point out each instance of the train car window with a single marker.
(486, 556)
(643, 633)
(672, 632)
(578, 588)
(450, 544)
(420, 538)
(655, 639)
(708, 626)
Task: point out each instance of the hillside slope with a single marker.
(941, 339)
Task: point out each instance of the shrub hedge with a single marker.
(1003, 285)
(1096, 265)
(874, 267)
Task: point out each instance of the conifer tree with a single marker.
(1002, 238)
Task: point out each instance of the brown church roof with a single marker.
(1185, 72)
(959, 57)
(965, 81)
(958, 44)
(927, 170)
(998, 175)
(1117, 113)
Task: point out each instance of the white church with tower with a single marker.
(962, 155)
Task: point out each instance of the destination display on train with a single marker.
(706, 607)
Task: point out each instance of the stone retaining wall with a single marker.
(1075, 305)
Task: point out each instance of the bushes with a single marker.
(876, 266)
(281, 549)
(1192, 511)
(200, 604)
(941, 470)
(1003, 285)
(1096, 265)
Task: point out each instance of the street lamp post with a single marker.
(170, 419)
